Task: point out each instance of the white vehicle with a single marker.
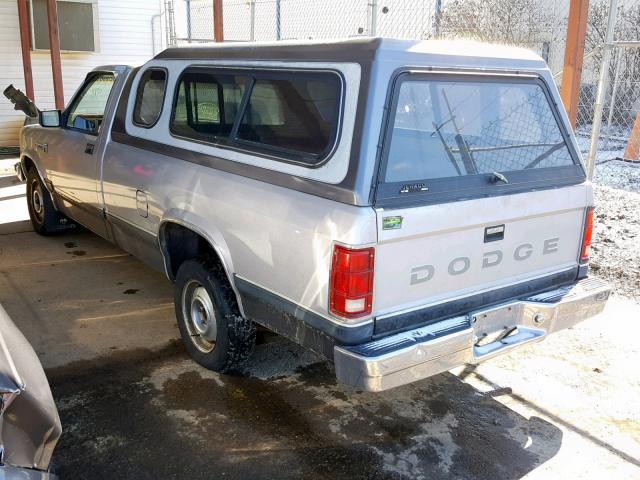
(400, 207)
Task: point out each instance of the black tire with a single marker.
(235, 336)
(45, 219)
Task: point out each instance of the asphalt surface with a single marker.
(133, 405)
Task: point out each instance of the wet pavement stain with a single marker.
(77, 253)
(70, 244)
(141, 414)
(131, 291)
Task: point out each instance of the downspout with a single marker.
(153, 33)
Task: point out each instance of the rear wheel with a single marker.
(45, 219)
(215, 334)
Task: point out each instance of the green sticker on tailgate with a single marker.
(391, 223)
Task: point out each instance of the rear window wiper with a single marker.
(498, 177)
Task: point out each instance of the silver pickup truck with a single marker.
(400, 207)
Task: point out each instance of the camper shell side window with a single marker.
(288, 115)
(150, 97)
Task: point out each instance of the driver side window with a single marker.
(88, 108)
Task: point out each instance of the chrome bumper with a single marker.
(409, 356)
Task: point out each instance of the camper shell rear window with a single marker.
(456, 136)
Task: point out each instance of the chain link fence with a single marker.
(621, 100)
(537, 24)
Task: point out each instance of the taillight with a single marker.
(586, 236)
(351, 287)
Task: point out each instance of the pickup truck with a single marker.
(399, 207)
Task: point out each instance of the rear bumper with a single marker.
(420, 353)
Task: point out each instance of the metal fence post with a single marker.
(603, 85)
(252, 20)
(614, 92)
(437, 19)
(188, 7)
(278, 21)
(373, 19)
(170, 23)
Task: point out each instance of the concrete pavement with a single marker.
(134, 406)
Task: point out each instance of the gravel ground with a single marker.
(618, 174)
(616, 242)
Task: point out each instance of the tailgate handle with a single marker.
(494, 233)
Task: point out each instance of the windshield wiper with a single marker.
(498, 177)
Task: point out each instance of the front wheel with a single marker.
(215, 334)
(45, 219)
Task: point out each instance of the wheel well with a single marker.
(179, 244)
(28, 164)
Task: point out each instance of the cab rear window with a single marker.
(449, 133)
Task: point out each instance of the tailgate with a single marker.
(480, 195)
(448, 251)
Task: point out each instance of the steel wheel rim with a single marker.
(200, 317)
(36, 200)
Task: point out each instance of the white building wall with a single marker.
(125, 37)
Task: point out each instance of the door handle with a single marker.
(42, 146)
(89, 148)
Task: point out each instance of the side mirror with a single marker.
(49, 118)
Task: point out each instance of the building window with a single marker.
(77, 24)
(150, 97)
